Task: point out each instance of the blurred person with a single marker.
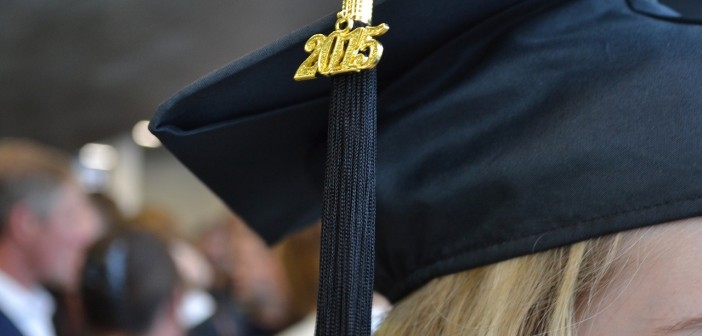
(110, 216)
(197, 305)
(299, 255)
(46, 223)
(257, 279)
(215, 244)
(248, 282)
(69, 319)
(131, 286)
(157, 220)
(229, 317)
(192, 264)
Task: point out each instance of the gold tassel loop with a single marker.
(358, 10)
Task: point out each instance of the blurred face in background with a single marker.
(214, 243)
(58, 242)
(256, 277)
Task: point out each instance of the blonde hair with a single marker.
(538, 294)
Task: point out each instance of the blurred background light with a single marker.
(142, 136)
(98, 156)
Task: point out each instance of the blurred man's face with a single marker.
(62, 238)
(253, 270)
(256, 278)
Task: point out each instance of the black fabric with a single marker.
(253, 108)
(504, 128)
(348, 212)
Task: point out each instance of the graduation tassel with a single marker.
(348, 209)
(347, 262)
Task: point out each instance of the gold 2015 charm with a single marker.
(344, 50)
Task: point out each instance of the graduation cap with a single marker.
(504, 128)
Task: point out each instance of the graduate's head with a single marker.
(505, 129)
(637, 282)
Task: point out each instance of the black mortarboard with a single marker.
(504, 128)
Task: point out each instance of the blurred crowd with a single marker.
(71, 263)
